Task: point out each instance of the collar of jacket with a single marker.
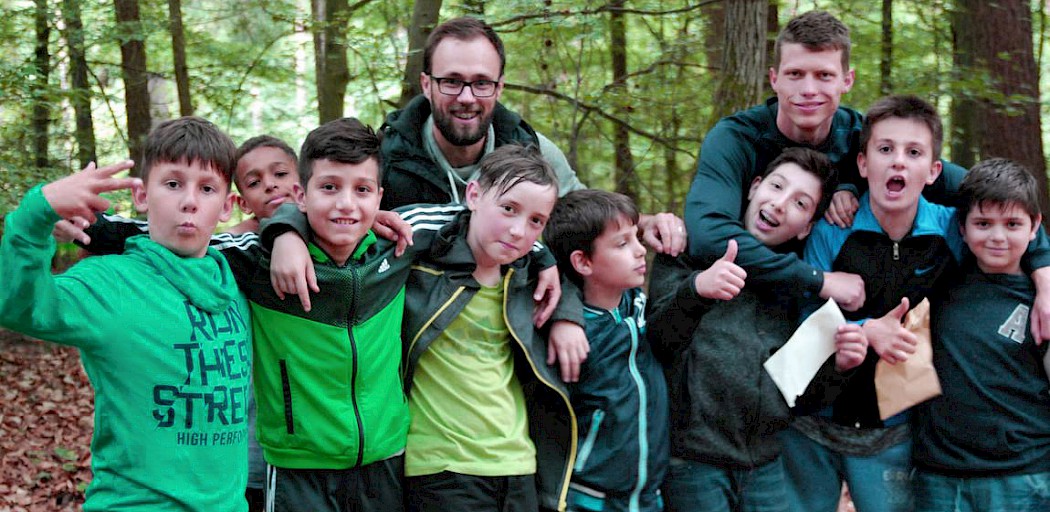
(319, 255)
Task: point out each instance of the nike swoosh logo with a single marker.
(922, 271)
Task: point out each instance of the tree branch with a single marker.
(598, 10)
(586, 107)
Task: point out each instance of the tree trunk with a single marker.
(714, 26)
(886, 62)
(424, 19)
(178, 50)
(81, 94)
(133, 70)
(330, 64)
(772, 29)
(743, 56)
(41, 99)
(621, 137)
(1002, 45)
(965, 130)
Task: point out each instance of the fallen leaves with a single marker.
(46, 420)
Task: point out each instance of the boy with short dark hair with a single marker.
(265, 174)
(984, 444)
(620, 400)
(726, 411)
(162, 330)
(901, 245)
(331, 414)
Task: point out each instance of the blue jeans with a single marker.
(1015, 493)
(877, 483)
(698, 487)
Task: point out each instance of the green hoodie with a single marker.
(166, 344)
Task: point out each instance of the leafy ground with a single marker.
(46, 419)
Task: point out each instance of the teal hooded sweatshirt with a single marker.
(166, 343)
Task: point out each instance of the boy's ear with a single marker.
(862, 164)
(227, 207)
(806, 230)
(1036, 222)
(935, 171)
(581, 263)
(754, 186)
(473, 193)
(242, 204)
(138, 197)
(300, 196)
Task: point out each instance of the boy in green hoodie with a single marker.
(162, 329)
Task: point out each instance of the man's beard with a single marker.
(446, 124)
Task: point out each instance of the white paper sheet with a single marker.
(793, 367)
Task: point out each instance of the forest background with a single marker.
(626, 88)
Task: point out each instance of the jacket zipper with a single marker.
(643, 422)
(350, 323)
(896, 251)
(568, 404)
(412, 346)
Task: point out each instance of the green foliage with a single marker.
(251, 71)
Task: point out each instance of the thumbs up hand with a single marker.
(888, 337)
(724, 279)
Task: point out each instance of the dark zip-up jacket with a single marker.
(621, 406)
(911, 267)
(439, 287)
(410, 176)
(725, 409)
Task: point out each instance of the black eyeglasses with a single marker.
(454, 86)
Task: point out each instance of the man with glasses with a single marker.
(432, 147)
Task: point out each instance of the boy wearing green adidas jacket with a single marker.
(162, 330)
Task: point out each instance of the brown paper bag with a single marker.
(914, 381)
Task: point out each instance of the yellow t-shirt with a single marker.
(467, 406)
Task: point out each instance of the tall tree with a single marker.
(133, 69)
(743, 69)
(1002, 47)
(625, 177)
(330, 65)
(424, 19)
(80, 95)
(886, 60)
(178, 50)
(42, 73)
(965, 130)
